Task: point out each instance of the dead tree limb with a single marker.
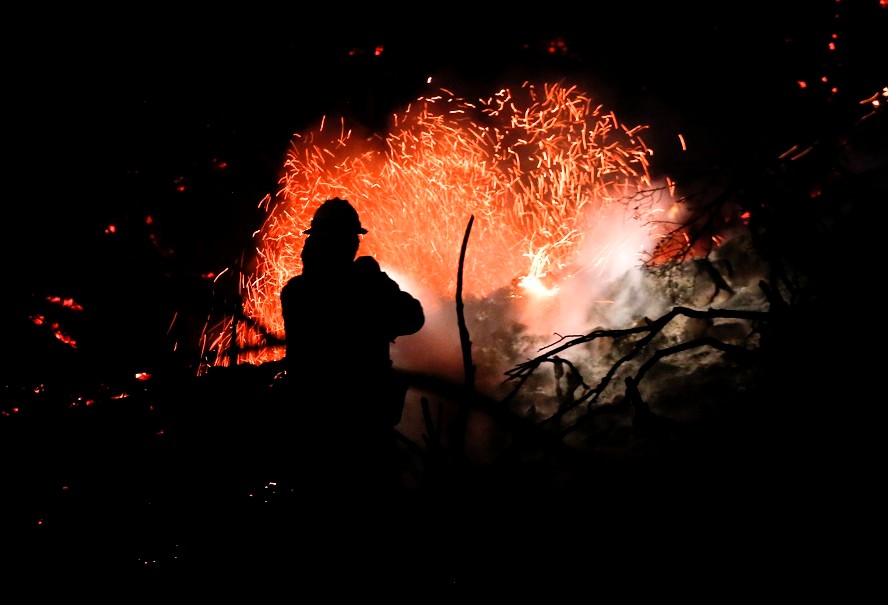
(741, 353)
(648, 332)
(462, 420)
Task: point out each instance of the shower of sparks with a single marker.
(535, 167)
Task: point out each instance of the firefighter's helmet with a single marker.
(335, 215)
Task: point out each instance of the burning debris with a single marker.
(548, 175)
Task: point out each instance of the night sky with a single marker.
(172, 128)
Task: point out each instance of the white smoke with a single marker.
(609, 287)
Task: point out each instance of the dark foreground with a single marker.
(185, 487)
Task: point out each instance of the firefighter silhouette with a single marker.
(341, 315)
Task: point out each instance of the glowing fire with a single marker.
(537, 168)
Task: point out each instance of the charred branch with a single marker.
(738, 353)
(466, 347)
(648, 332)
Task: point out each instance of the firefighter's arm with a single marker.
(367, 264)
(410, 317)
(407, 316)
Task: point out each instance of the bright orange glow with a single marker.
(538, 168)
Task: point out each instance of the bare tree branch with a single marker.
(522, 372)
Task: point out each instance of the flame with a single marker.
(535, 167)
